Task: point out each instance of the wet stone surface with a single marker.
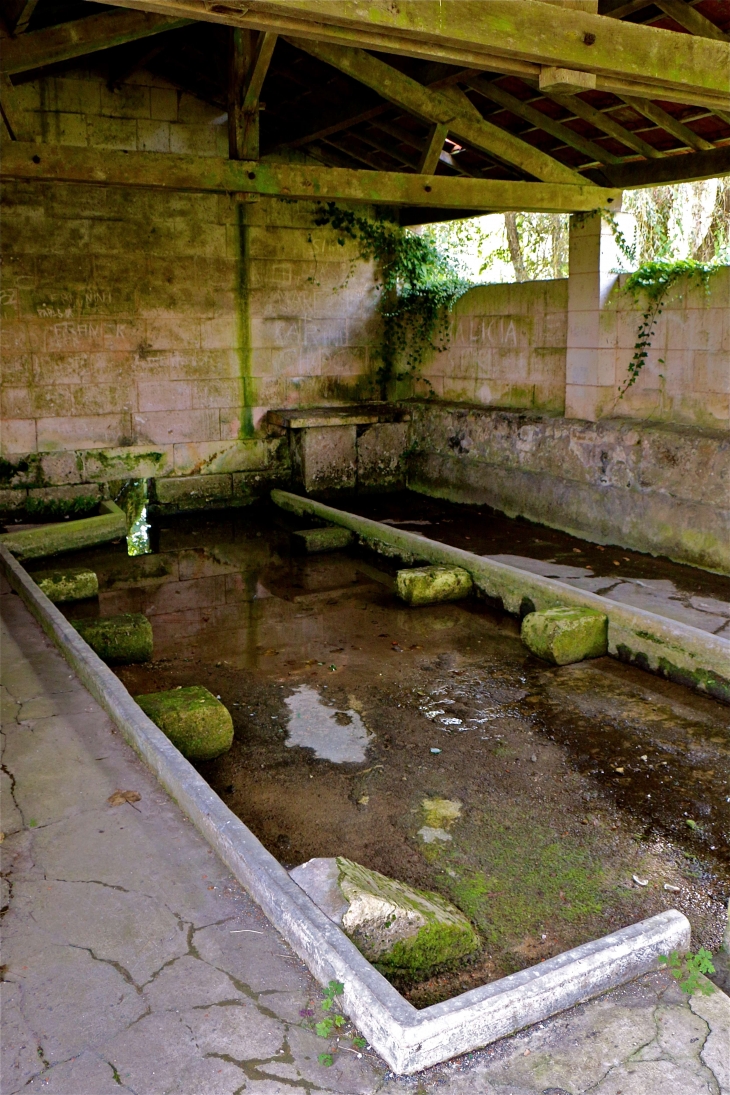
(568, 781)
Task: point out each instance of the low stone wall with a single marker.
(658, 488)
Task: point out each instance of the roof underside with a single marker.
(308, 104)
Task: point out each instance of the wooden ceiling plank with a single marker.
(81, 36)
(691, 20)
(660, 117)
(169, 171)
(439, 106)
(602, 121)
(541, 121)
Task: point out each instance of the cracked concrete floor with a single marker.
(134, 962)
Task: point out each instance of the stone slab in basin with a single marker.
(58, 536)
(432, 585)
(194, 720)
(396, 927)
(566, 635)
(118, 640)
(63, 586)
(315, 540)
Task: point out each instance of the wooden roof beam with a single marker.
(660, 117)
(439, 106)
(684, 167)
(38, 48)
(501, 36)
(536, 117)
(691, 20)
(602, 121)
(167, 171)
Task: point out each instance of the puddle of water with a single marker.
(337, 736)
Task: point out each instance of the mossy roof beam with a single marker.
(300, 181)
(438, 107)
(499, 35)
(75, 39)
(540, 120)
(679, 168)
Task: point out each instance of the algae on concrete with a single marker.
(432, 585)
(62, 586)
(566, 635)
(197, 723)
(401, 930)
(313, 540)
(50, 539)
(118, 640)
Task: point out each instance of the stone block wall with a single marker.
(506, 348)
(659, 488)
(146, 333)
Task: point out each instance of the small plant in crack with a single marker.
(688, 970)
(333, 1023)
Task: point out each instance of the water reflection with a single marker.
(339, 736)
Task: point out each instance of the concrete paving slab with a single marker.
(136, 963)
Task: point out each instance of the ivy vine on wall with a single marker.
(418, 284)
(652, 281)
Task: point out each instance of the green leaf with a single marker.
(324, 1027)
(326, 1059)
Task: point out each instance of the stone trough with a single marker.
(409, 1040)
(674, 650)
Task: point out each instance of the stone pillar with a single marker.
(325, 457)
(590, 374)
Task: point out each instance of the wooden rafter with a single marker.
(437, 106)
(250, 59)
(691, 20)
(601, 120)
(500, 35)
(82, 36)
(434, 145)
(211, 173)
(660, 117)
(671, 169)
(542, 121)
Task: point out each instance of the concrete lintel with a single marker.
(672, 649)
(360, 415)
(409, 1040)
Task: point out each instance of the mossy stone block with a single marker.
(431, 585)
(313, 540)
(118, 640)
(61, 586)
(53, 538)
(399, 929)
(197, 723)
(566, 635)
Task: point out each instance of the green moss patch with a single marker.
(432, 585)
(193, 719)
(62, 586)
(118, 640)
(566, 635)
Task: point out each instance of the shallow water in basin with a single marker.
(563, 783)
